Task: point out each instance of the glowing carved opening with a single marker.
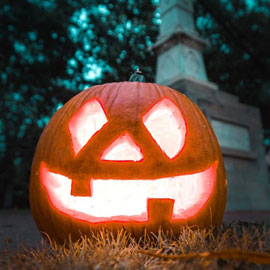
(85, 123)
(123, 148)
(123, 200)
(166, 125)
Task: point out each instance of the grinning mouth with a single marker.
(128, 200)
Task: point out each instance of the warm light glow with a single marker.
(165, 123)
(123, 200)
(85, 123)
(123, 148)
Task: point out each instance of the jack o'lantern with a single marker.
(131, 154)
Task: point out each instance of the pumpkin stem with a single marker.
(137, 76)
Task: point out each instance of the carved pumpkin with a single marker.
(130, 154)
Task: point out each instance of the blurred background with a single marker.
(52, 49)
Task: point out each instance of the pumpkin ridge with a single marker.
(138, 103)
(112, 93)
(158, 90)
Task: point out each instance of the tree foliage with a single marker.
(50, 50)
(34, 50)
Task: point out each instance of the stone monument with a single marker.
(180, 65)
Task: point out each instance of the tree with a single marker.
(35, 47)
(50, 49)
(114, 35)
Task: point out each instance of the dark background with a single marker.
(52, 49)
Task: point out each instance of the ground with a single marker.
(17, 226)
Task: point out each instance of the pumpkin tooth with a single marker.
(80, 188)
(129, 199)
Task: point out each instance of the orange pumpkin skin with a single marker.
(124, 104)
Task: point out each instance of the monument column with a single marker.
(179, 46)
(180, 65)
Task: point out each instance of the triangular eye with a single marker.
(166, 125)
(85, 123)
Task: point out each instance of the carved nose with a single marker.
(124, 148)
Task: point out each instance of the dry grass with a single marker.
(235, 246)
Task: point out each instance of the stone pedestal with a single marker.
(239, 132)
(237, 126)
